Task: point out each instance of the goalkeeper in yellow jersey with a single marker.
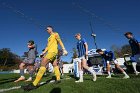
(50, 54)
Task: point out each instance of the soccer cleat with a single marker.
(51, 81)
(20, 79)
(108, 77)
(57, 81)
(29, 87)
(62, 74)
(29, 79)
(137, 73)
(126, 77)
(78, 81)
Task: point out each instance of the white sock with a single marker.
(134, 66)
(22, 76)
(30, 77)
(81, 75)
(92, 71)
(125, 73)
(109, 73)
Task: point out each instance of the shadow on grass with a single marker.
(56, 90)
(47, 82)
(25, 87)
(7, 79)
(72, 76)
(4, 81)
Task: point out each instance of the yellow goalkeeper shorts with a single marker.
(51, 56)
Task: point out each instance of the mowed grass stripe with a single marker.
(102, 85)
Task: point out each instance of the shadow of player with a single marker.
(4, 81)
(72, 76)
(56, 90)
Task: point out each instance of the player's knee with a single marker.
(84, 66)
(54, 64)
(44, 62)
(21, 65)
(31, 67)
(117, 66)
(108, 65)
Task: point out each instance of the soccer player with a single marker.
(60, 64)
(37, 66)
(29, 61)
(52, 51)
(135, 47)
(108, 56)
(82, 48)
(59, 61)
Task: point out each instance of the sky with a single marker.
(17, 28)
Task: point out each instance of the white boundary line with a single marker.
(8, 89)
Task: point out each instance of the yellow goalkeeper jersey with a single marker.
(53, 43)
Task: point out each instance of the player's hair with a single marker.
(128, 33)
(31, 41)
(99, 50)
(78, 34)
(43, 49)
(50, 26)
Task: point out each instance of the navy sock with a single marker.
(22, 72)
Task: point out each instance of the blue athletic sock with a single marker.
(21, 72)
(31, 73)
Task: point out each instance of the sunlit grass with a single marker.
(102, 85)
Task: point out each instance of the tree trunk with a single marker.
(5, 62)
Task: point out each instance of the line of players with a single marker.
(32, 64)
(50, 54)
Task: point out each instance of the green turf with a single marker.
(102, 85)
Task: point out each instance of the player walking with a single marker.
(52, 51)
(135, 47)
(82, 48)
(29, 61)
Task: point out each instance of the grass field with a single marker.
(102, 85)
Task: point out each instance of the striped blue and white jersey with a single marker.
(81, 47)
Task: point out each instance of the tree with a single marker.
(126, 49)
(5, 53)
(74, 53)
(116, 50)
(120, 51)
(8, 59)
(64, 62)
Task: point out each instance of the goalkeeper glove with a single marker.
(65, 52)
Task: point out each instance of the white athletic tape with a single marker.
(8, 89)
